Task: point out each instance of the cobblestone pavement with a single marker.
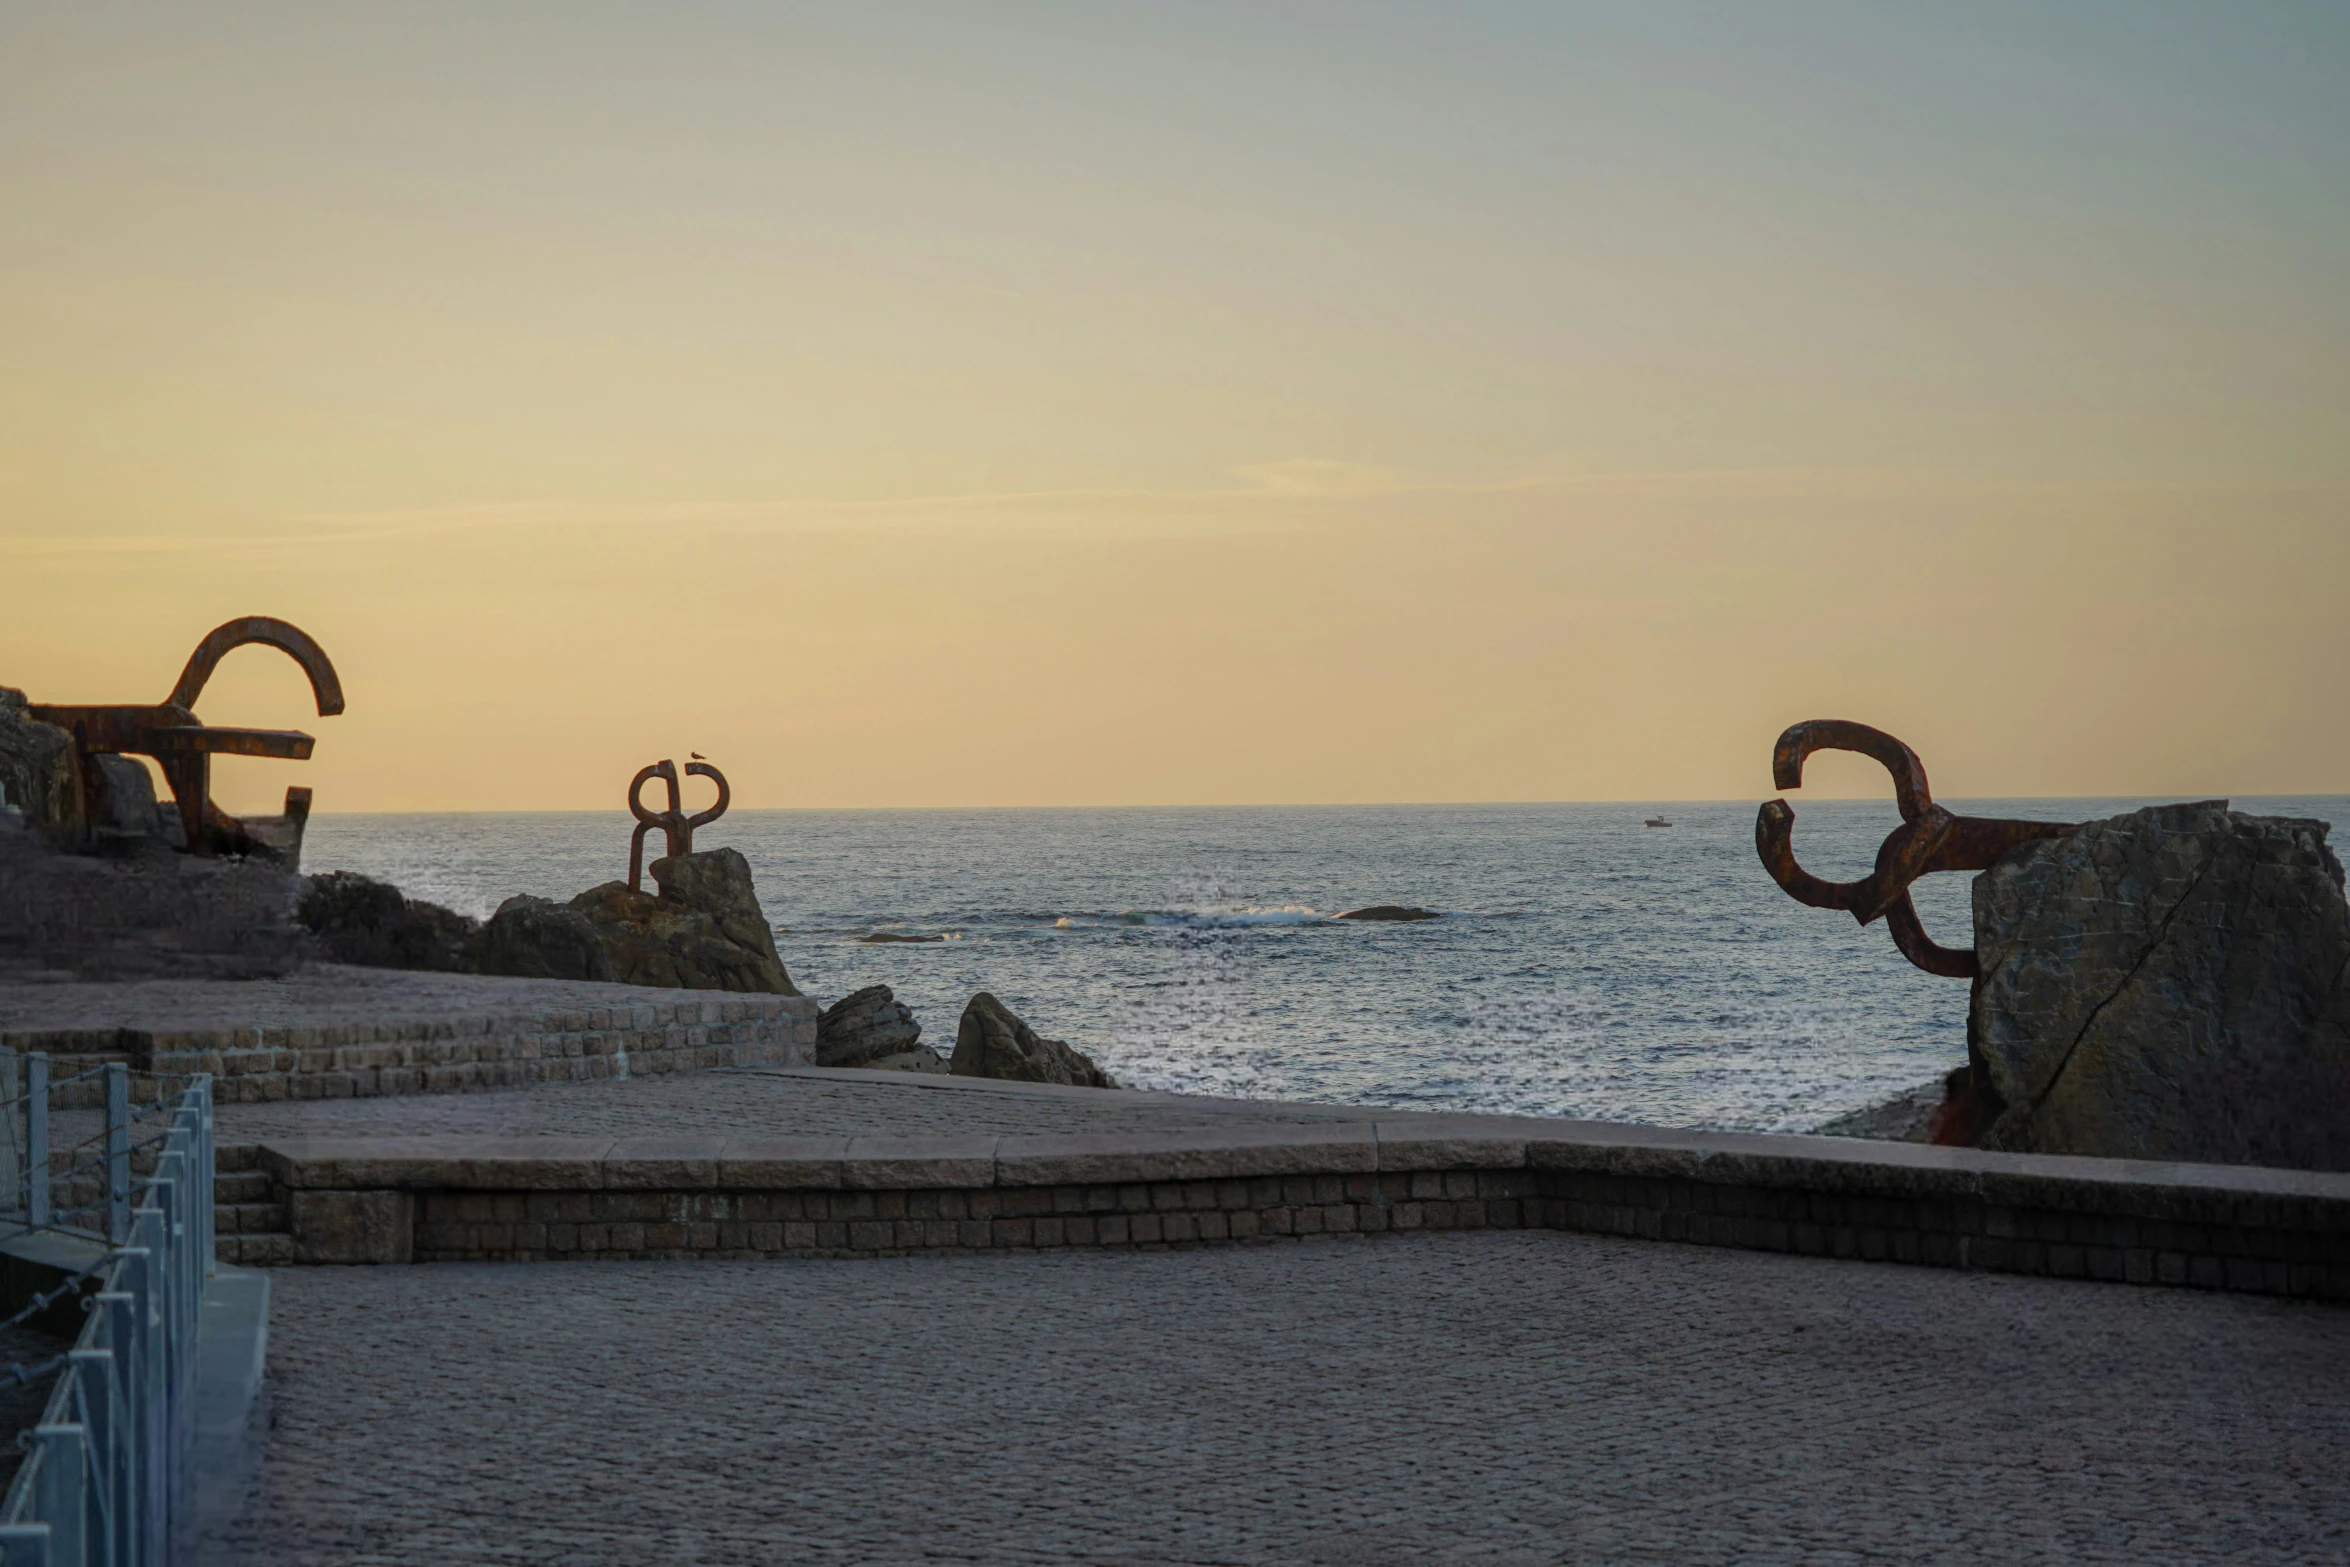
(1497, 1399)
(748, 1101)
(318, 996)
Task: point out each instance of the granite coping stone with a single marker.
(437, 1163)
(917, 1163)
(662, 1163)
(2214, 1194)
(1221, 1153)
(781, 1163)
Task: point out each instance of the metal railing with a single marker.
(105, 1474)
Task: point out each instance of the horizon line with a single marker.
(1347, 805)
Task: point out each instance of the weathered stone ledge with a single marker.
(400, 1199)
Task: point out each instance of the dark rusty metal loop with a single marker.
(677, 828)
(268, 631)
(1929, 839)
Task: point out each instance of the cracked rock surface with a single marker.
(2168, 984)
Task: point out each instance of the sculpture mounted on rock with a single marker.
(1929, 839)
(677, 828)
(704, 930)
(2170, 984)
(183, 745)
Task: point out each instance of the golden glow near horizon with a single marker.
(1010, 405)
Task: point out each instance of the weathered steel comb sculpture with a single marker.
(184, 745)
(1929, 839)
(676, 826)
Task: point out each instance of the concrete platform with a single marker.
(1211, 1171)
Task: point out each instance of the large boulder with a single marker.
(703, 932)
(2168, 985)
(126, 801)
(535, 938)
(356, 919)
(38, 774)
(717, 882)
(872, 1028)
(992, 1042)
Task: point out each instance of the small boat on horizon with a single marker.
(1656, 821)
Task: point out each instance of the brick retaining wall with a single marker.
(680, 1031)
(459, 1199)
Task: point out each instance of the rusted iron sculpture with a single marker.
(676, 826)
(1929, 839)
(184, 745)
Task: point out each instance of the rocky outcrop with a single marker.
(872, 1028)
(717, 882)
(536, 938)
(992, 1042)
(1395, 912)
(704, 931)
(37, 772)
(154, 916)
(356, 919)
(2166, 985)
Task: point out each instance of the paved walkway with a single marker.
(755, 1101)
(1500, 1398)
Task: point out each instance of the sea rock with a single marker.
(866, 1026)
(37, 773)
(992, 1042)
(2169, 985)
(535, 938)
(884, 938)
(919, 1059)
(126, 791)
(1390, 911)
(703, 932)
(1911, 1116)
(717, 882)
(356, 919)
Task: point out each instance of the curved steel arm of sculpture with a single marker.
(677, 828)
(289, 639)
(1929, 839)
(1841, 734)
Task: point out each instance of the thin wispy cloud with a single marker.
(1271, 494)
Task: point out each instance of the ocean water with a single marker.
(1585, 964)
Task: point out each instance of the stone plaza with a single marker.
(1492, 1398)
(1104, 1371)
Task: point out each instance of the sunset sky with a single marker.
(1054, 404)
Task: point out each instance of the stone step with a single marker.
(240, 1186)
(247, 1218)
(267, 1250)
(237, 1157)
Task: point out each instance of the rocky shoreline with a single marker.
(1907, 1117)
